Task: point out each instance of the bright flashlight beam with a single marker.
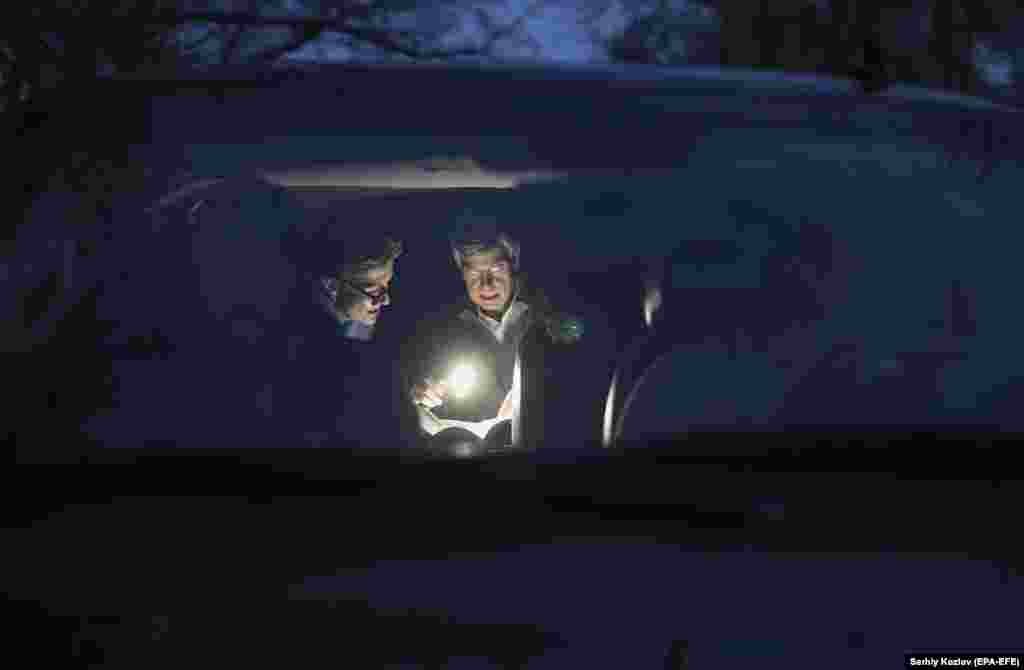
(462, 380)
(609, 412)
(652, 303)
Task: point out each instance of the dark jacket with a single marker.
(339, 390)
(456, 334)
(248, 356)
(459, 336)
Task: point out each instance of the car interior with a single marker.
(772, 260)
(759, 264)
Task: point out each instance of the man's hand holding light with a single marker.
(430, 393)
(459, 383)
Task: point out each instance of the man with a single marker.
(483, 335)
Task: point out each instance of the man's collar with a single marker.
(480, 314)
(498, 329)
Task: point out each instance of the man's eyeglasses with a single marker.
(500, 270)
(376, 297)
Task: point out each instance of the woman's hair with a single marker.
(377, 255)
(335, 287)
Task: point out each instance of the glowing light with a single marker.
(608, 436)
(652, 303)
(462, 380)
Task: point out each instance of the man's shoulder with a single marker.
(523, 309)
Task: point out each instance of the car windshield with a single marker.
(799, 267)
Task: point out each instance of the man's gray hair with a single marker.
(480, 237)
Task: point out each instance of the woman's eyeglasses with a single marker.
(376, 297)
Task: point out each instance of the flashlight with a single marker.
(462, 380)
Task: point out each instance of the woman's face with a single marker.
(373, 289)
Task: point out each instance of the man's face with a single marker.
(376, 283)
(488, 277)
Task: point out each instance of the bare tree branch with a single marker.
(345, 21)
(387, 40)
(349, 20)
(357, 20)
(206, 37)
(306, 35)
(231, 45)
(251, 20)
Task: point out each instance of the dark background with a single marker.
(147, 560)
